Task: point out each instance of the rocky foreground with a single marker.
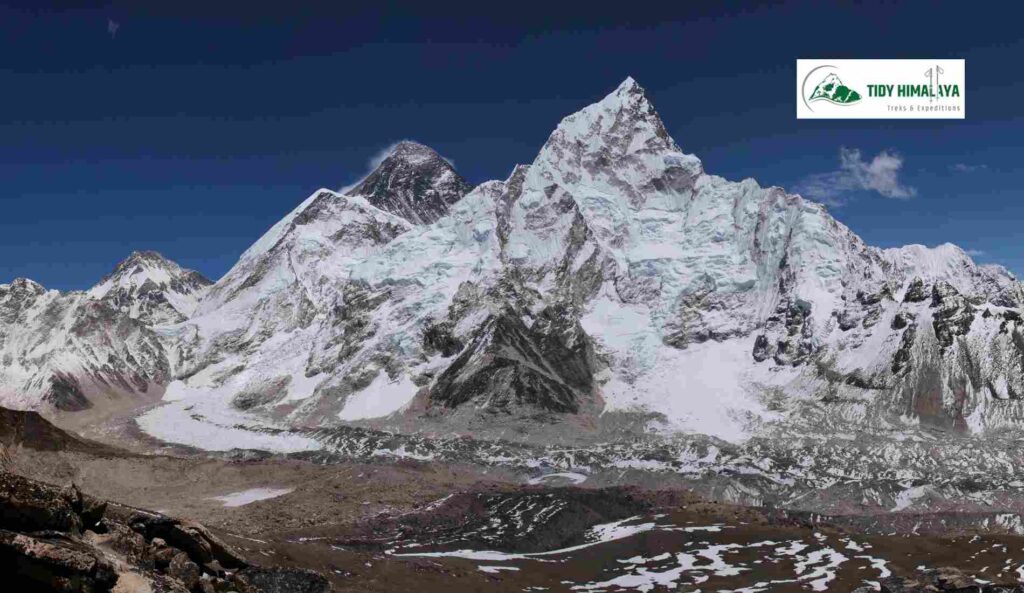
(60, 539)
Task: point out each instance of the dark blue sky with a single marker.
(195, 127)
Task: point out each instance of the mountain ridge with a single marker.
(610, 277)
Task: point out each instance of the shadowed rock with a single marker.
(413, 182)
(52, 561)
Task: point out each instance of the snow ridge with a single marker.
(611, 277)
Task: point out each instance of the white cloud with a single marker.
(974, 252)
(965, 168)
(880, 175)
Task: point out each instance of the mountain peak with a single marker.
(149, 265)
(629, 85)
(613, 133)
(143, 257)
(146, 254)
(414, 182)
(24, 286)
(410, 150)
(151, 288)
(628, 94)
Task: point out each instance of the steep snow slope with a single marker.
(253, 334)
(152, 289)
(327, 300)
(66, 350)
(286, 321)
(695, 270)
(610, 275)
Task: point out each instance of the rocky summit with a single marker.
(413, 182)
(149, 287)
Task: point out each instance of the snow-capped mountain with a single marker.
(70, 351)
(74, 350)
(413, 182)
(611, 275)
(610, 279)
(152, 289)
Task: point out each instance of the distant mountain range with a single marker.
(610, 278)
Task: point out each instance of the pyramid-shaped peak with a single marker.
(412, 149)
(146, 255)
(145, 259)
(151, 288)
(140, 266)
(622, 122)
(627, 105)
(414, 182)
(629, 92)
(629, 85)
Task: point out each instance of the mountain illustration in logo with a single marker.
(833, 90)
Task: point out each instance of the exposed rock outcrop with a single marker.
(64, 541)
(413, 182)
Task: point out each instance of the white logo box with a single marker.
(880, 89)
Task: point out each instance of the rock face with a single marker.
(152, 289)
(510, 365)
(32, 506)
(413, 182)
(67, 350)
(61, 350)
(53, 562)
(64, 541)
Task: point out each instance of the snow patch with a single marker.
(380, 398)
(244, 497)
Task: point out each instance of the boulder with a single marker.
(184, 570)
(26, 505)
(192, 538)
(89, 509)
(123, 541)
(161, 553)
(53, 561)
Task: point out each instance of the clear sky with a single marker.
(190, 128)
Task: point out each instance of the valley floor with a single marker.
(396, 525)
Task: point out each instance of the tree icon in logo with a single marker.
(834, 91)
